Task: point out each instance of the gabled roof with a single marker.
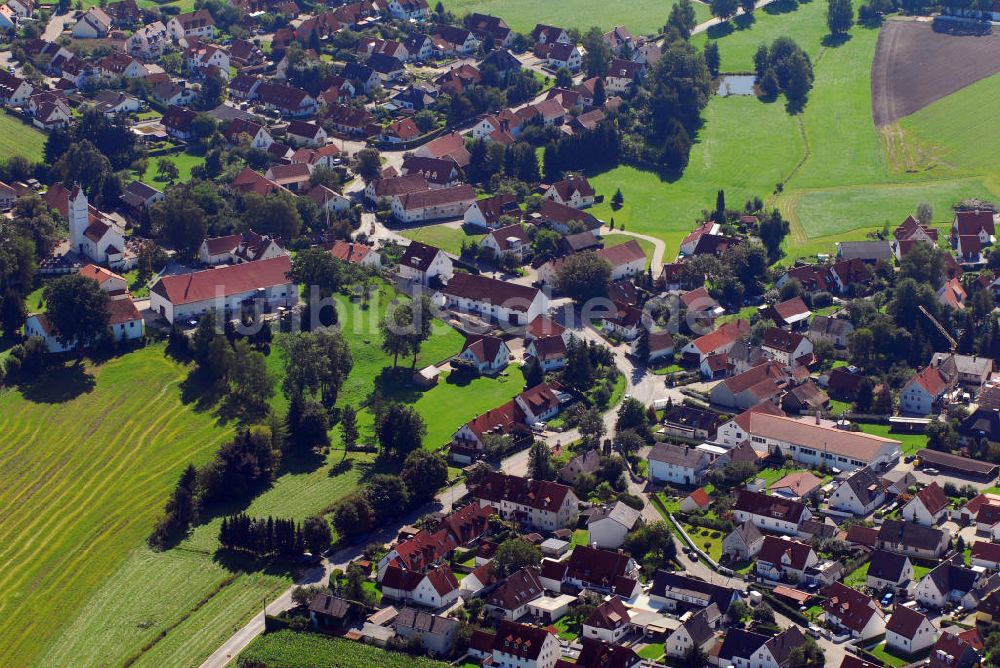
(748, 533)
(519, 588)
(540, 494)
(229, 280)
(886, 565)
(678, 455)
(800, 483)
(610, 614)
(491, 291)
(865, 484)
(910, 534)
(773, 507)
(933, 498)
(722, 336)
(905, 621)
(519, 640)
(622, 254)
(742, 644)
(483, 347)
(419, 256)
(851, 607)
(782, 340)
(776, 549)
(595, 566)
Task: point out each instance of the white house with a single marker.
(922, 391)
(433, 204)
(94, 235)
(534, 503)
(224, 289)
(93, 24)
(860, 494)
(744, 542)
(785, 346)
(489, 354)
(770, 513)
(14, 91)
(422, 264)
(697, 631)
(437, 588)
(493, 299)
(608, 526)
(626, 260)
(608, 622)
(519, 646)
(985, 554)
(511, 598)
(574, 191)
(549, 351)
(953, 583)
(199, 24)
(852, 611)
(784, 560)
(888, 570)
(908, 631)
(677, 464)
(928, 507)
(539, 403)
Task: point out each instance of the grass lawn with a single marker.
(17, 138)
(910, 442)
(838, 407)
(446, 238)
(288, 649)
(772, 475)
(138, 289)
(703, 535)
(858, 578)
(891, 660)
(652, 651)
(185, 162)
(562, 626)
(920, 571)
(642, 17)
(958, 145)
(615, 239)
(81, 492)
(720, 158)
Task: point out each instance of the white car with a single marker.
(538, 426)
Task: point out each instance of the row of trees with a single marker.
(280, 537)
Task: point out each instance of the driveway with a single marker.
(54, 28)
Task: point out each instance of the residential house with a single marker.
(258, 134)
(770, 513)
(433, 204)
(439, 173)
(540, 402)
(852, 611)
(788, 348)
(860, 494)
(661, 344)
(679, 593)
(608, 622)
(488, 212)
(796, 486)
(928, 507)
(790, 314)
(574, 191)
(354, 253)
(452, 40)
(697, 633)
(585, 462)
(517, 646)
(148, 41)
(564, 56)
(970, 371)
(389, 188)
(760, 383)
(804, 399)
(198, 24)
(113, 103)
(423, 264)
(548, 351)
(118, 64)
(865, 251)
(286, 100)
(689, 422)
(534, 503)
(303, 133)
(978, 223)
(138, 196)
(951, 582)
(493, 26)
(951, 651)
(835, 330)
(985, 554)
(510, 241)
(546, 34)
(331, 613)
(594, 569)
(739, 647)
(565, 219)
(777, 652)
(888, 570)
(468, 443)
(623, 321)
(744, 542)
(609, 525)
(784, 560)
(436, 588)
(720, 340)
(488, 354)
(493, 299)
(92, 24)
(509, 601)
(923, 391)
(677, 464)
(436, 634)
(913, 540)
(952, 294)
(908, 631)
(451, 146)
(224, 289)
(622, 76)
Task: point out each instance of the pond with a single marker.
(737, 84)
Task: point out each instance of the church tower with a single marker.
(79, 218)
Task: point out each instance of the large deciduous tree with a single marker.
(77, 308)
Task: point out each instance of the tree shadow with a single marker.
(833, 41)
(781, 7)
(199, 391)
(720, 30)
(238, 561)
(58, 384)
(744, 21)
(299, 461)
(396, 384)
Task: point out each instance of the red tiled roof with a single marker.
(233, 279)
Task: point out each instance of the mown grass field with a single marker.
(744, 146)
(962, 145)
(448, 239)
(184, 162)
(87, 457)
(639, 16)
(287, 649)
(17, 138)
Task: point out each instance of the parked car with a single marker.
(887, 599)
(931, 471)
